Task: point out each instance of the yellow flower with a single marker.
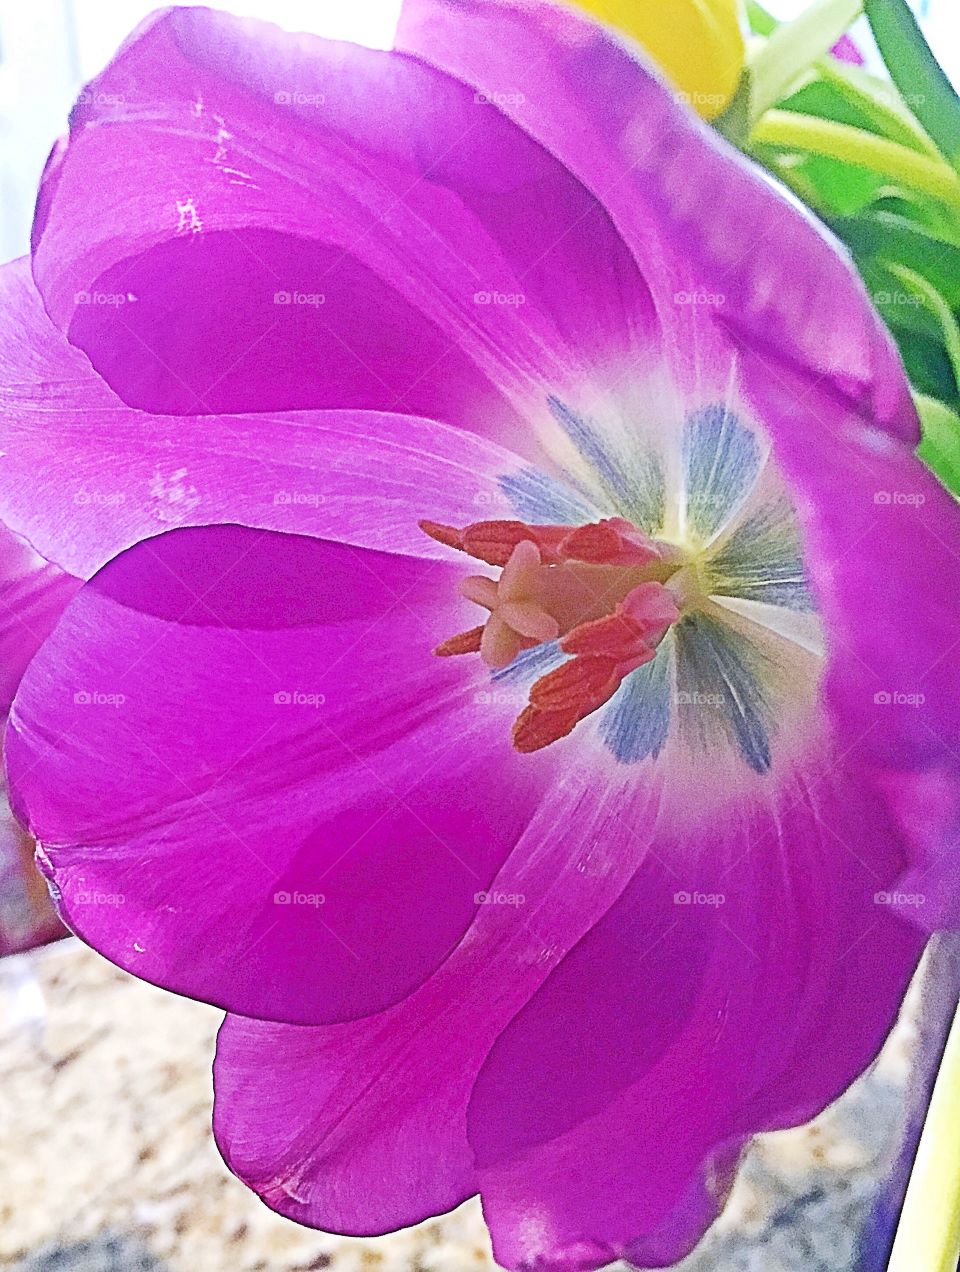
(697, 43)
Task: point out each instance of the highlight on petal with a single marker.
(26, 915)
(118, 475)
(382, 236)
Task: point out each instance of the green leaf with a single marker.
(917, 73)
(929, 296)
(761, 22)
(793, 47)
(927, 215)
(940, 448)
(817, 96)
(873, 103)
(927, 364)
(888, 236)
(899, 305)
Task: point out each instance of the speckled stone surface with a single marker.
(107, 1163)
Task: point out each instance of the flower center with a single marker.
(606, 592)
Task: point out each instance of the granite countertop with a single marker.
(107, 1163)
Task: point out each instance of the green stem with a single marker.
(794, 131)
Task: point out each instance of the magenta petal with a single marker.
(296, 1118)
(251, 780)
(380, 236)
(744, 979)
(33, 595)
(682, 198)
(361, 1127)
(882, 538)
(118, 475)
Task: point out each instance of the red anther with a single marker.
(534, 729)
(528, 605)
(581, 682)
(563, 697)
(464, 643)
(613, 541)
(597, 544)
(449, 536)
(637, 547)
(633, 629)
(605, 651)
(494, 541)
(616, 636)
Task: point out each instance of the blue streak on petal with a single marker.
(540, 499)
(584, 436)
(763, 561)
(720, 682)
(635, 487)
(647, 506)
(637, 721)
(722, 461)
